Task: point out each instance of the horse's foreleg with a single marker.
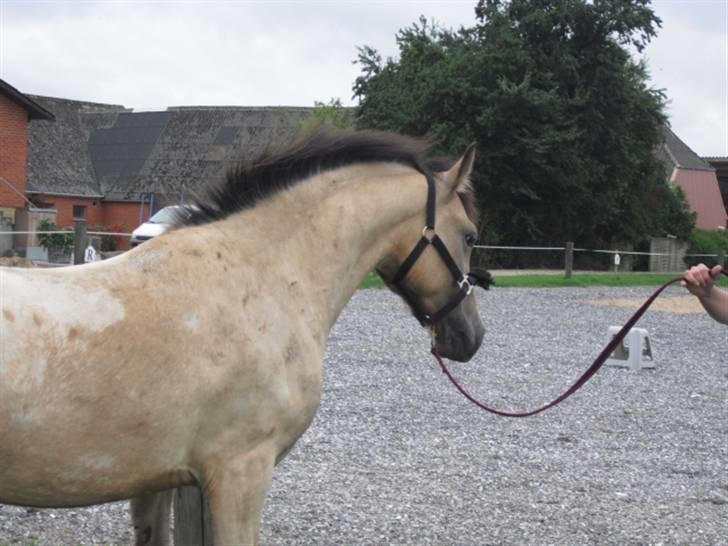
(150, 515)
(236, 493)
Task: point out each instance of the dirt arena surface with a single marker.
(680, 305)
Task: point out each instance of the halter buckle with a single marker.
(428, 232)
(465, 281)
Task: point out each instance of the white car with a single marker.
(160, 222)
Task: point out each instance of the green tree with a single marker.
(331, 114)
(565, 121)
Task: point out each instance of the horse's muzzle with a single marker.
(458, 335)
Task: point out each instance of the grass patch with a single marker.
(372, 281)
(558, 281)
(583, 280)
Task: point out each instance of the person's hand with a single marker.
(699, 280)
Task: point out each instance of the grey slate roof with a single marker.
(58, 156)
(119, 152)
(106, 150)
(197, 144)
(675, 153)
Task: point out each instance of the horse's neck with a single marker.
(326, 234)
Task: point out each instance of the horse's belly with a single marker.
(60, 492)
(51, 476)
(67, 456)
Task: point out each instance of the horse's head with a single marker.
(430, 267)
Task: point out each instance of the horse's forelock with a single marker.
(467, 197)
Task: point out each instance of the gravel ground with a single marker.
(397, 456)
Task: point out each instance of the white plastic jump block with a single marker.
(632, 353)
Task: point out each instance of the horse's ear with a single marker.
(458, 177)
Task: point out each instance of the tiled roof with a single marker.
(697, 178)
(195, 145)
(106, 150)
(676, 153)
(58, 157)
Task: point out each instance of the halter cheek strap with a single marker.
(465, 283)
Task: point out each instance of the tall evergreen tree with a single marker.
(565, 121)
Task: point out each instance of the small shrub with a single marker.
(706, 242)
(48, 240)
(332, 114)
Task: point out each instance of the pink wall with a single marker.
(703, 194)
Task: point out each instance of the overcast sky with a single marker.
(150, 55)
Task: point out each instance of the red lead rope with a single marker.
(598, 362)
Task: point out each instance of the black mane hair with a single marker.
(249, 183)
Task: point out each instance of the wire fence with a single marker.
(67, 232)
(571, 258)
(567, 257)
(596, 251)
(62, 246)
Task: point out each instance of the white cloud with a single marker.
(689, 59)
(156, 54)
(153, 54)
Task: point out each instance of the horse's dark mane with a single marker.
(249, 183)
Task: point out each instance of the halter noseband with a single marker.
(465, 283)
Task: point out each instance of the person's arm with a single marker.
(700, 281)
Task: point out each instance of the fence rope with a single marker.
(479, 247)
(598, 251)
(38, 232)
(64, 232)
(521, 247)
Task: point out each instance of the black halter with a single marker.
(465, 283)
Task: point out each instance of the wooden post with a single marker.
(568, 259)
(80, 241)
(191, 512)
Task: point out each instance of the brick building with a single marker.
(61, 175)
(116, 167)
(698, 180)
(17, 111)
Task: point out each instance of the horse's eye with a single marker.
(470, 239)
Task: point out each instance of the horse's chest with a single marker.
(300, 389)
(298, 386)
